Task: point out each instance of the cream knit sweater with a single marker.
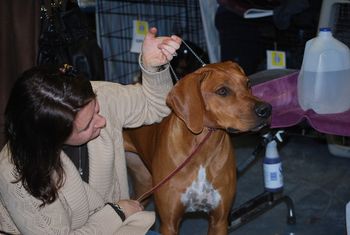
(80, 208)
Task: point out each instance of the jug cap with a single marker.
(325, 29)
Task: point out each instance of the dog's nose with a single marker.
(263, 110)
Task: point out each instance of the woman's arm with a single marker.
(135, 105)
(78, 210)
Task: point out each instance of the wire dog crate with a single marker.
(115, 26)
(342, 24)
(336, 15)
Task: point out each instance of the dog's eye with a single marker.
(223, 91)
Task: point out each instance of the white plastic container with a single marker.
(324, 78)
(272, 166)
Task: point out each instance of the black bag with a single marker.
(65, 37)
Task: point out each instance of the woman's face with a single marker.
(87, 124)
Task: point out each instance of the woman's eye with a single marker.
(223, 91)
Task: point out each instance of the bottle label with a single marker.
(273, 176)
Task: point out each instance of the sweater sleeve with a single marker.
(69, 214)
(134, 105)
(53, 219)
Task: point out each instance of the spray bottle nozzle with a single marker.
(277, 136)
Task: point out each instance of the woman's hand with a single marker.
(157, 51)
(130, 207)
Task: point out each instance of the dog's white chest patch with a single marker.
(200, 195)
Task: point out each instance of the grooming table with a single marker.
(281, 93)
(279, 88)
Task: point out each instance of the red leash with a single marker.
(177, 169)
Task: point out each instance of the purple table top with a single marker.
(281, 93)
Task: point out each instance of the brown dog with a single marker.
(216, 97)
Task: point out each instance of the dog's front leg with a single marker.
(169, 228)
(218, 222)
(170, 211)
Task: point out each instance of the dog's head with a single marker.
(218, 96)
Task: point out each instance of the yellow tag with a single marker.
(140, 29)
(276, 59)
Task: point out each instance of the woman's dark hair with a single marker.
(38, 120)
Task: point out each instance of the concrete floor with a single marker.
(316, 181)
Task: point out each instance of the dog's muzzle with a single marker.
(263, 111)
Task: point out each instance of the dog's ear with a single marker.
(237, 67)
(186, 100)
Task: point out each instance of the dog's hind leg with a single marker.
(141, 179)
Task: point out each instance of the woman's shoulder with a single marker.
(5, 155)
(6, 167)
(105, 84)
(112, 90)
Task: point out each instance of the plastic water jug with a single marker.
(324, 78)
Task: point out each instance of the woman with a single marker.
(41, 190)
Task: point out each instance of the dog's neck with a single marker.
(178, 125)
(179, 129)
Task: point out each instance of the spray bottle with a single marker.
(272, 165)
